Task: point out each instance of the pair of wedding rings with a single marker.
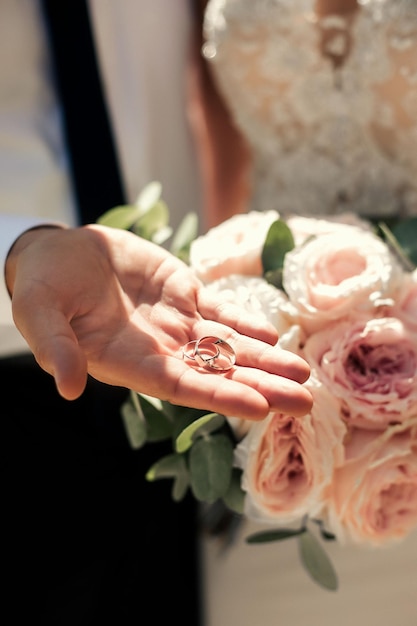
(210, 352)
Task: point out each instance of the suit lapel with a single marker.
(97, 180)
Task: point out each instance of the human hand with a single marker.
(103, 301)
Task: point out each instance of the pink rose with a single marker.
(335, 273)
(374, 493)
(233, 247)
(370, 365)
(288, 462)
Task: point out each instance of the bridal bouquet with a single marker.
(342, 293)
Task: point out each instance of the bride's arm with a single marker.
(224, 156)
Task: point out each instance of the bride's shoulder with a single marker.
(219, 12)
(244, 25)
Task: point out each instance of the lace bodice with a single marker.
(328, 102)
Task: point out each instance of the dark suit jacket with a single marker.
(86, 539)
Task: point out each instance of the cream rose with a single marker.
(335, 273)
(288, 462)
(233, 247)
(258, 297)
(371, 366)
(303, 228)
(374, 493)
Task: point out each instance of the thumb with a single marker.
(56, 349)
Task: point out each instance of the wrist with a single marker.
(20, 244)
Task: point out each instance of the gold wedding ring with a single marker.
(211, 353)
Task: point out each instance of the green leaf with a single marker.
(274, 277)
(210, 465)
(149, 196)
(406, 234)
(184, 235)
(135, 424)
(159, 426)
(278, 534)
(316, 561)
(172, 466)
(122, 217)
(279, 241)
(327, 535)
(402, 243)
(176, 411)
(324, 533)
(153, 225)
(181, 417)
(180, 487)
(199, 428)
(148, 217)
(169, 466)
(234, 498)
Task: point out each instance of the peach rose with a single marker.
(374, 493)
(292, 339)
(335, 273)
(233, 247)
(371, 366)
(288, 462)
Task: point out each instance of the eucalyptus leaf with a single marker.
(278, 242)
(316, 561)
(160, 236)
(154, 221)
(176, 411)
(135, 425)
(180, 486)
(169, 466)
(156, 402)
(234, 498)
(159, 425)
(123, 217)
(324, 533)
(184, 235)
(210, 465)
(400, 250)
(181, 417)
(172, 466)
(406, 235)
(149, 196)
(277, 534)
(200, 427)
(274, 278)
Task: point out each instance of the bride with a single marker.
(323, 99)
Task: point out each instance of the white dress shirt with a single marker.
(142, 49)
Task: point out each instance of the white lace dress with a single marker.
(328, 103)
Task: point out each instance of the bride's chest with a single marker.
(298, 61)
(326, 98)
